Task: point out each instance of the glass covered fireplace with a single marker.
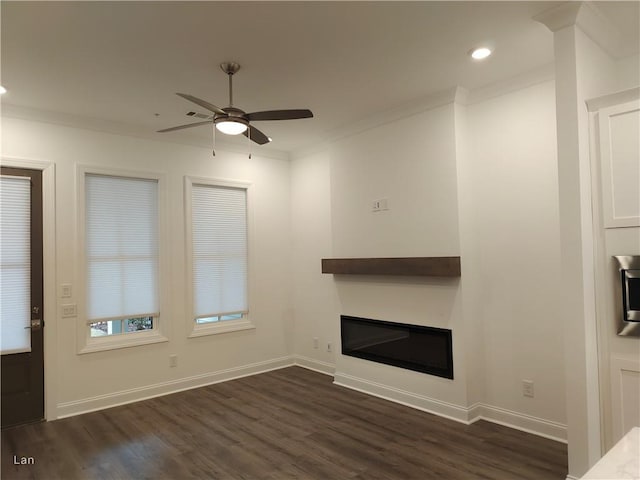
(414, 347)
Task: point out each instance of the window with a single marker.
(121, 246)
(219, 256)
(15, 265)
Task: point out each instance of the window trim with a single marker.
(214, 328)
(85, 343)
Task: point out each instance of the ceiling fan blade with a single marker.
(188, 125)
(256, 135)
(280, 115)
(203, 103)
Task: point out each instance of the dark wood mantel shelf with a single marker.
(406, 266)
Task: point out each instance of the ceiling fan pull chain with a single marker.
(213, 148)
(249, 138)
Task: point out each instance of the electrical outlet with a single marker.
(315, 342)
(329, 347)
(527, 388)
(173, 360)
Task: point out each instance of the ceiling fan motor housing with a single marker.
(232, 115)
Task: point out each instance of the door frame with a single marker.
(48, 275)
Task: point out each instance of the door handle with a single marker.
(36, 324)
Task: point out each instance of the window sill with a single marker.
(225, 326)
(101, 344)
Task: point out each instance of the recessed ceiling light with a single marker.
(2, 90)
(480, 53)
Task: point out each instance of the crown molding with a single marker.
(311, 149)
(123, 129)
(429, 102)
(590, 19)
(560, 16)
(435, 100)
(616, 98)
(458, 95)
(542, 74)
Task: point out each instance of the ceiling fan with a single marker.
(234, 121)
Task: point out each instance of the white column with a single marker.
(583, 70)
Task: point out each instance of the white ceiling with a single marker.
(122, 62)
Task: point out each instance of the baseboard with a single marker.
(519, 421)
(537, 426)
(571, 477)
(315, 365)
(100, 402)
(410, 399)
(467, 415)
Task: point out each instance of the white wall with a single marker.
(516, 239)
(313, 294)
(471, 274)
(479, 181)
(628, 72)
(98, 379)
(410, 162)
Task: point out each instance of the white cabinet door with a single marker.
(619, 136)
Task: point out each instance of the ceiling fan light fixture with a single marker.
(231, 127)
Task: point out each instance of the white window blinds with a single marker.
(219, 242)
(15, 286)
(121, 235)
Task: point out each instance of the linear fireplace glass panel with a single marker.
(414, 347)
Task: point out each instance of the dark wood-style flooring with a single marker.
(286, 424)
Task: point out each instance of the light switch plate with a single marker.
(69, 310)
(65, 290)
